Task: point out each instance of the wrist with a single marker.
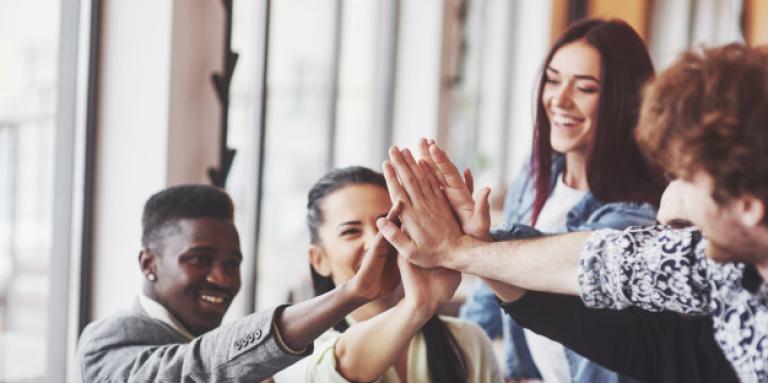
(419, 312)
(460, 252)
(350, 296)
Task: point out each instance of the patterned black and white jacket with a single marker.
(659, 268)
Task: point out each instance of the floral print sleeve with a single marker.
(660, 268)
(655, 268)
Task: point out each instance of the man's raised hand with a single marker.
(475, 217)
(429, 228)
(378, 275)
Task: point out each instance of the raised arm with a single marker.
(302, 323)
(655, 268)
(474, 217)
(367, 349)
(135, 348)
(434, 239)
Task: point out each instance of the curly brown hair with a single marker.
(709, 111)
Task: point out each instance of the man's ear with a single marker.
(147, 262)
(319, 260)
(751, 211)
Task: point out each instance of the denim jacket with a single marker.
(588, 214)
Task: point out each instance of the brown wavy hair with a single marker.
(709, 111)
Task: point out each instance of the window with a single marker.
(28, 79)
(328, 89)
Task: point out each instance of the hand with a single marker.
(429, 226)
(425, 289)
(378, 275)
(475, 218)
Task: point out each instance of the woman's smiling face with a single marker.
(571, 96)
(349, 225)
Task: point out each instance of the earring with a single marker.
(151, 277)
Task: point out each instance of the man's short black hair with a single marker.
(182, 202)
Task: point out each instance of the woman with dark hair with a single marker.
(586, 171)
(395, 339)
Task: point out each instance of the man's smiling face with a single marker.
(197, 270)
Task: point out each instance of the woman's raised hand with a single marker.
(378, 276)
(425, 289)
(474, 216)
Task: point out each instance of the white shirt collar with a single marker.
(157, 311)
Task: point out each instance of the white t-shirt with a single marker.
(549, 355)
(320, 367)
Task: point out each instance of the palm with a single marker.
(475, 222)
(428, 286)
(378, 275)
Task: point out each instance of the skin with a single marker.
(550, 264)
(197, 265)
(349, 226)
(201, 257)
(380, 338)
(670, 211)
(571, 96)
(734, 228)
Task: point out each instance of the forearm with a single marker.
(367, 349)
(547, 264)
(616, 339)
(654, 268)
(505, 292)
(300, 324)
(137, 348)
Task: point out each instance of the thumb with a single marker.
(394, 236)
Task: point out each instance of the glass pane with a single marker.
(480, 117)
(243, 135)
(297, 126)
(357, 142)
(28, 67)
(298, 90)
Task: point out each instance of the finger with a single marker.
(434, 184)
(396, 191)
(424, 149)
(444, 165)
(408, 180)
(375, 257)
(379, 245)
(483, 207)
(418, 171)
(395, 236)
(469, 180)
(424, 144)
(454, 185)
(394, 213)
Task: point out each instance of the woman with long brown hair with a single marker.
(586, 171)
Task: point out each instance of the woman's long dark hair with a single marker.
(445, 359)
(616, 169)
